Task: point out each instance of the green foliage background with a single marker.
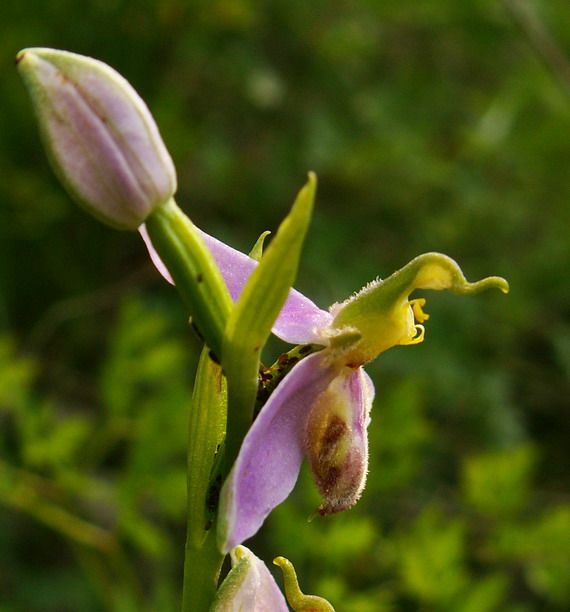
(432, 125)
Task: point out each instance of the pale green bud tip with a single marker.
(99, 135)
(257, 250)
(296, 599)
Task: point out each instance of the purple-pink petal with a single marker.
(268, 597)
(362, 392)
(158, 263)
(270, 458)
(299, 320)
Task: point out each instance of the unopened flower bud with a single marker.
(99, 135)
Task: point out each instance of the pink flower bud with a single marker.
(99, 135)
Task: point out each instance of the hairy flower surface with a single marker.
(320, 409)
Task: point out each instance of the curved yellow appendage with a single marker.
(296, 599)
(419, 337)
(417, 307)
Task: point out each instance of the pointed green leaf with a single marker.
(206, 434)
(255, 312)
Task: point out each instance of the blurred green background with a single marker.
(432, 125)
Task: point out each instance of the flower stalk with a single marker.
(195, 274)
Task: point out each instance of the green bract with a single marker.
(256, 310)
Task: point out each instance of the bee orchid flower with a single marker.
(320, 410)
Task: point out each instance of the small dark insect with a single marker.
(213, 496)
(269, 378)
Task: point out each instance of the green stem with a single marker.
(202, 565)
(241, 398)
(192, 267)
(206, 432)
